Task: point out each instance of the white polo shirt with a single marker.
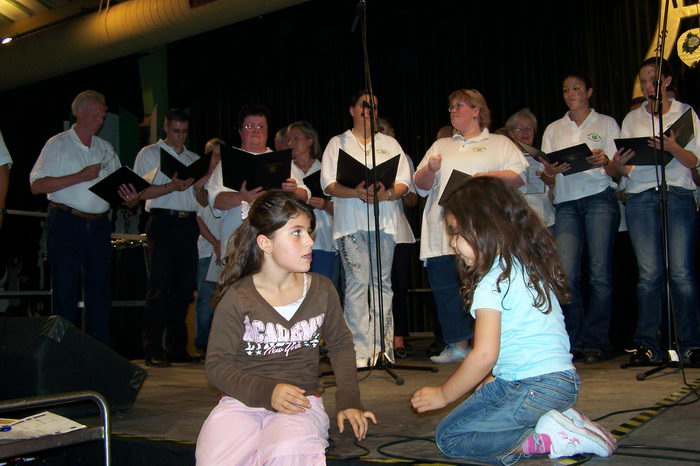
(351, 215)
(639, 123)
(597, 132)
(65, 154)
(484, 153)
(147, 165)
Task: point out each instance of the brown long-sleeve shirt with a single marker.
(252, 347)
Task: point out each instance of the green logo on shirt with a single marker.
(383, 151)
(594, 137)
(478, 149)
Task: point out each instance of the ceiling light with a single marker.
(6, 40)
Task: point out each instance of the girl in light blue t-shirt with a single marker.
(520, 369)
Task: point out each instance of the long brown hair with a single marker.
(267, 214)
(496, 221)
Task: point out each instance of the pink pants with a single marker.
(235, 434)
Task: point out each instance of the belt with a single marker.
(173, 213)
(75, 212)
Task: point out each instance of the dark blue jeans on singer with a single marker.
(172, 257)
(493, 422)
(204, 310)
(80, 251)
(643, 222)
(591, 221)
(444, 282)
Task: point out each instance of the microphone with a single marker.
(656, 104)
(358, 12)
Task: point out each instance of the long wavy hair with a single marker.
(496, 221)
(267, 214)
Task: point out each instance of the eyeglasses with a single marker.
(459, 106)
(252, 126)
(524, 130)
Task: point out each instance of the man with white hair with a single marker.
(78, 227)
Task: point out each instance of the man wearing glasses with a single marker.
(172, 232)
(78, 229)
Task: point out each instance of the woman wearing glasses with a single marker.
(473, 150)
(587, 214)
(354, 229)
(522, 127)
(253, 124)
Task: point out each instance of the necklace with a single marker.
(358, 138)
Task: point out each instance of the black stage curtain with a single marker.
(305, 63)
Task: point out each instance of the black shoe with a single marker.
(642, 356)
(184, 358)
(435, 349)
(157, 361)
(592, 357)
(403, 352)
(692, 357)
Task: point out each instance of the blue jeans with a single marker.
(80, 251)
(456, 324)
(592, 221)
(360, 315)
(498, 417)
(642, 214)
(204, 309)
(326, 263)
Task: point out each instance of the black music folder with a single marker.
(643, 153)
(574, 156)
(455, 181)
(682, 128)
(108, 188)
(351, 173)
(169, 165)
(646, 155)
(313, 182)
(527, 149)
(267, 170)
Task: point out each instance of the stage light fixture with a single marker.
(6, 40)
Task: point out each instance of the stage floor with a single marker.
(175, 401)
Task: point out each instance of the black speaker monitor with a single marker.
(48, 355)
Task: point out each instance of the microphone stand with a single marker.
(382, 363)
(662, 187)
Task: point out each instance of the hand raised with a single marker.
(435, 162)
(90, 172)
